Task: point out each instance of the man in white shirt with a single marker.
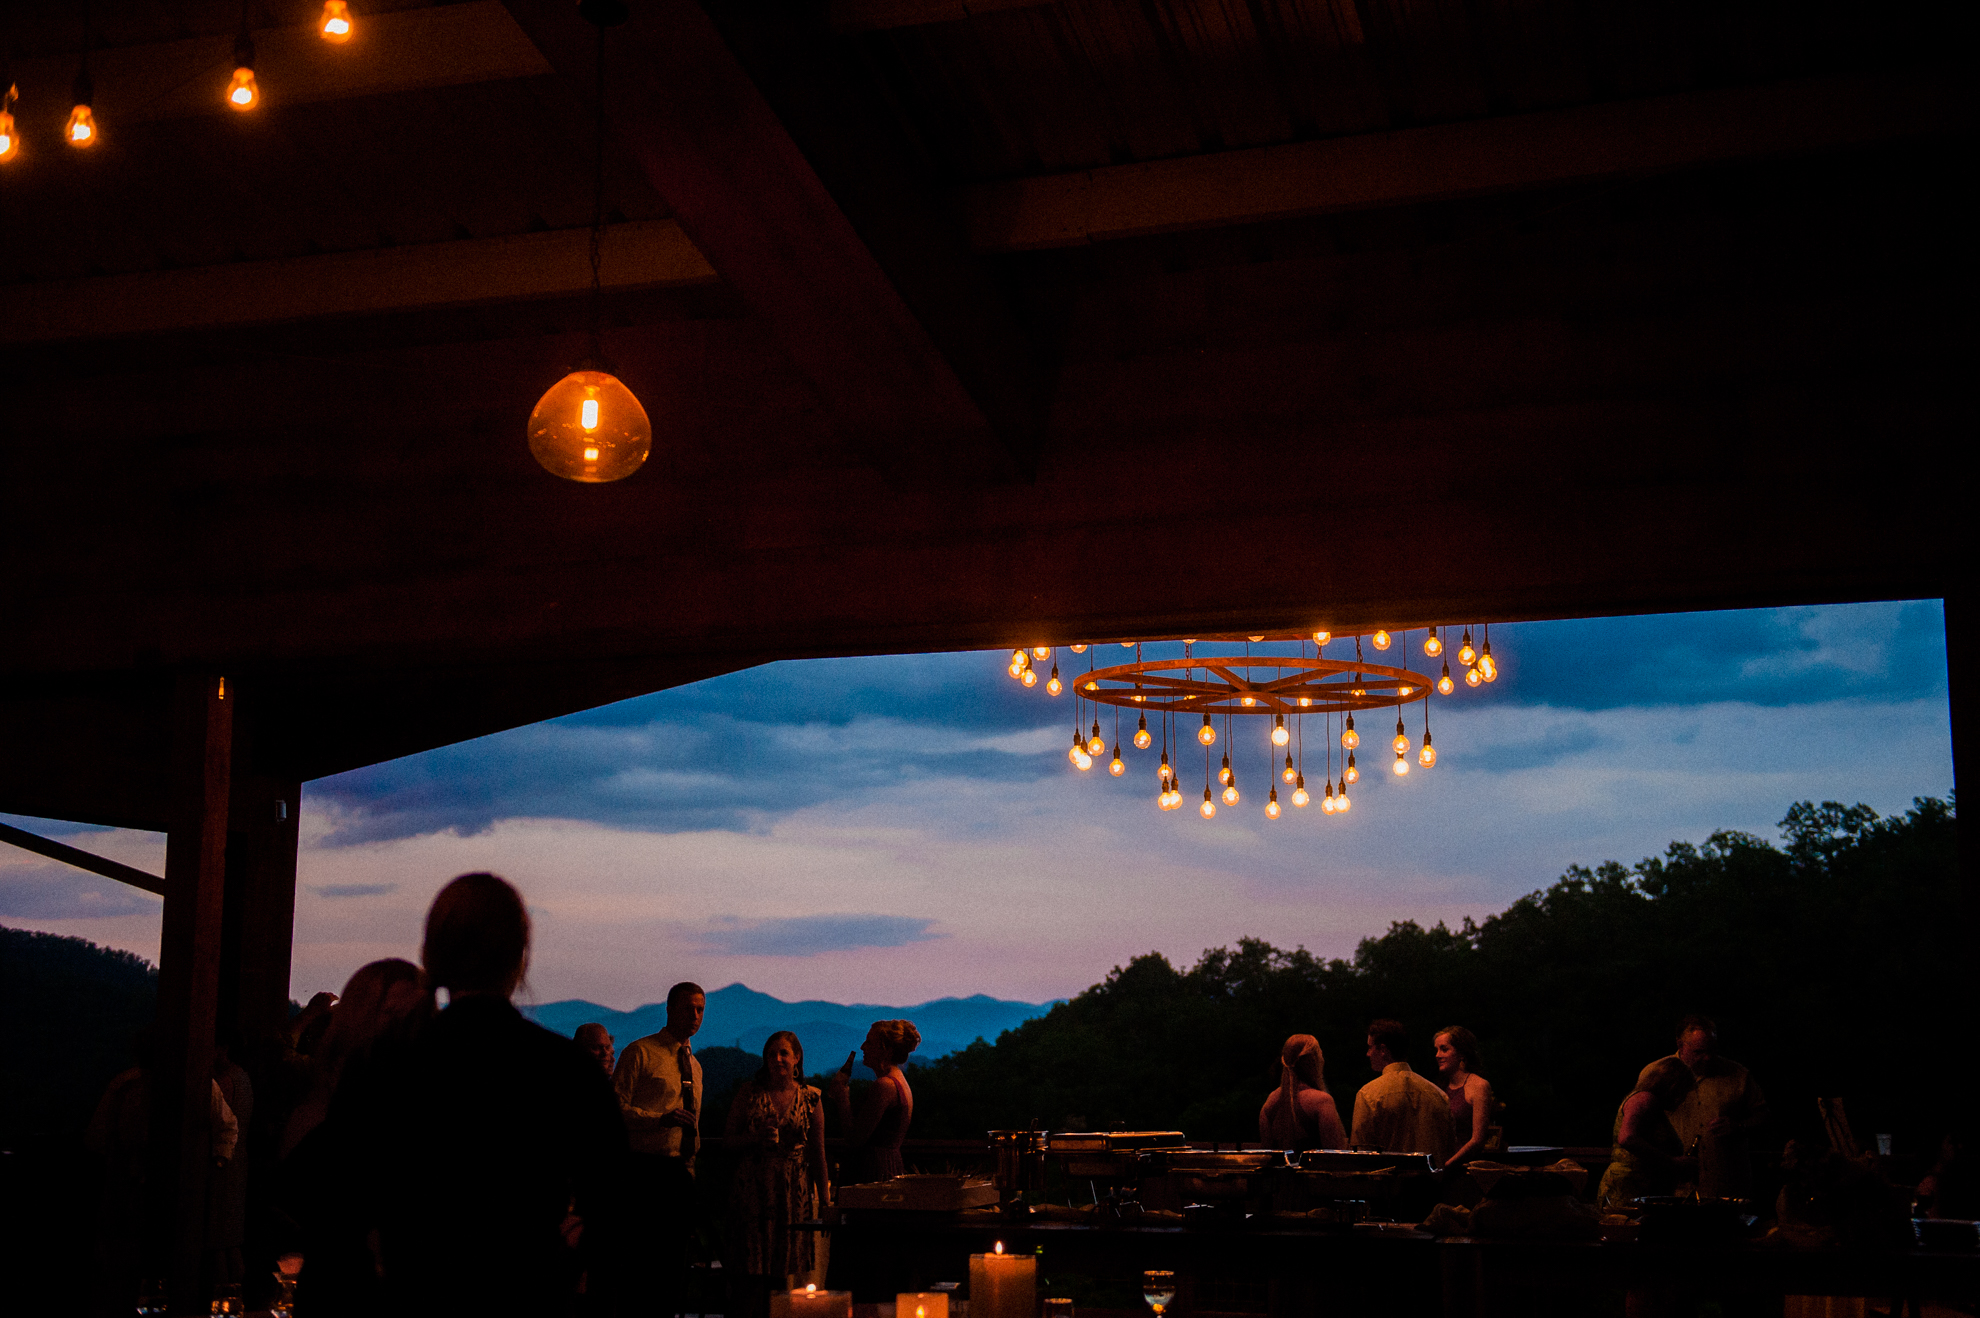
(1399, 1111)
(658, 1081)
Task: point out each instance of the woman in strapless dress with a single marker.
(874, 1135)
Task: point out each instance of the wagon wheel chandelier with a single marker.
(1286, 688)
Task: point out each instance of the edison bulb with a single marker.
(1041, 652)
(1096, 743)
(1465, 653)
(1428, 755)
(1488, 669)
(1433, 646)
(1381, 639)
(1272, 804)
(1224, 773)
(1030, 677)
(1209, 808)
(1117, 768)
(1017, 673)
(1401, 765)
(1327, 806)
(242, 94)
(81, 128)
(1280, 735)
(1019, 658)
(1248, 701)
(1444, 684)
(1141, 737)
(1321, 638)
(1127, 645)
(1289, 773)
(1231, 794)
(1472, 677)
(336, 25)
(1084, 761)
(1163, 770)
(1077, 750)
(1053, 684)
(1079, 649)
(1207, 734)
(1300, 795)
(1341, 800)
(1401, 742)
(590, 428)
(1351, 774)
(1349, 737)
(1306, 702)
(10, 137)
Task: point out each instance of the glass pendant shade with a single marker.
(81, 128)
(590, 428)
(242, 94)
(335, 25)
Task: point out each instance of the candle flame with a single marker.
(810, 1287)
(1000, 1247)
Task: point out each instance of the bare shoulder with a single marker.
(1477, 1086)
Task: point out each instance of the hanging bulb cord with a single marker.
(598, 196)
(85, 89)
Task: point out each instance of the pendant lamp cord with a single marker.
(598, 195)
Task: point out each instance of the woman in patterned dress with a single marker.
(776, 1122)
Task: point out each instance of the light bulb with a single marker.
(1428, 755)
(1041, 652)
(1231, 793)
(242, 94)
(1341, 799)
(1401, 765)
(1289, 773)
(1272, 804)
(1207, 734)
(1030, 677)
(1019, 659)
(1349, 737)
(1096, 743)
(1224, 774)
(1350, 774)
(1405, 691)
(1444, 684)
(588, 427)
(10, 137)
(1280, 736)
(1321, 638)
(1141, 737)
(1079, 649)
(1127, 645)
(1465, 653)
(1327, 806)
(1300, 795)
(1432, 646)
(1163, 770)
(1117, 768)
(336, 25)
(1381, 639)
(1306, 702)
(1488, 669)
(1209, 808)
(1472, 677)
(1084, 761)
(1248, 701)
(1078, 749)
(81, 128)
(1401, 742)
(1053, 684)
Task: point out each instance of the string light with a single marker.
(1280, 736)
(10, 137)
(1321, 638)
(1272, 804)
(1289, 773)
(1486, 667)
(1444, 684)
(1080, 648)
(1327, 806)
(1231, 793)
(1207, 734)
(1041, 652)
(1401, 765)
(1029, 677)
(1341, 800)
(1117, 768)
(1141, 737)
(242, 94)
(80, 131)
(1349, 737)
(1428, 755)
(336, 25)
(1433, 645)
(1224, 774)
(1095, 743)
(1350, 774)
(1381, 639)
(1209, 808)
(1401, 742)
(1472, 677)
(1053, 684)
(1078, 750)
(1300, 795)
(1466, 655)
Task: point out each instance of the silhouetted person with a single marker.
(776, 1128)
(874, 1136)
(1720, 1114)
(1399, 1111)
(1648, 1158)
(597, 1040)
(1300, 1113)
(658, 1083)
(226, 1189)
(470, 1144)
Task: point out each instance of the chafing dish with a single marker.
(1366, 1160)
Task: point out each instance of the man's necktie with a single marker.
(690, 1101)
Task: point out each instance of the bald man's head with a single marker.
(596, 1040)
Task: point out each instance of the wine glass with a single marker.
(1159, 1289)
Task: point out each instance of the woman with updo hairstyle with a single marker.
(469, 1144)
(873, 1138)
(1300, 1113)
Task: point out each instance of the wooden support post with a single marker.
(261, 908)
(189, 974)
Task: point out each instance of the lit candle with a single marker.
(811, 1303)
(1003, 1285)
(921, 1304)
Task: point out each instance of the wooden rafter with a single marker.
(82, 860)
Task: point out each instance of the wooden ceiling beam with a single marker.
(442, 46)
(879, 15)
(718, 155)
(1415, 165)
(82, 860)
(519, 267)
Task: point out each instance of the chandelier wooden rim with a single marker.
(1150, 685)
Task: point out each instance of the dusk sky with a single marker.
(894, 829)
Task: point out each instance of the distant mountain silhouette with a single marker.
(740, 1017)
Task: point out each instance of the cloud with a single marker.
(810, 935)
(354, 889)
(35, 892)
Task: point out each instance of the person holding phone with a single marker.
(873, 1137)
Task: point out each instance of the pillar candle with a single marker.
(1003, 1286)
(921, 1304)
(811, 1303)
